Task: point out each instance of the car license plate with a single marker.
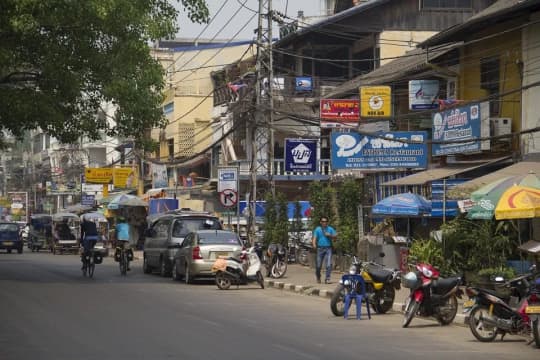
(535, 309)
(218, 254)
(7, 243)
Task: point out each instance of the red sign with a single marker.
(340, 112)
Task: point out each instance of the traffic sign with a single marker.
(228, 198)
(227, 179)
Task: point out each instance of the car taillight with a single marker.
(196, 254)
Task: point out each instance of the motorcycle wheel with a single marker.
(536, 331)
(223, 282)
(337, 302)
(411, 308)
(481, 331)
(384, 300)
(260, 279)
(279, 269)
(448, 311)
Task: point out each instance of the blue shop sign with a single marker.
(459, 124)
(300, 155)
(304, 83)
(386, 150)
(87, 200)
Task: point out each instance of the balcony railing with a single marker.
(324, 170)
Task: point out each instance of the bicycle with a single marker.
(89, 264)
(122, 256)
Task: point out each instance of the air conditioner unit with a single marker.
(500, 126)
(325, 89)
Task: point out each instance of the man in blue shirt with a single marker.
(122, 239)
(322, 241)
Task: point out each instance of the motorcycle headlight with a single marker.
(352, 270)
(347, 282)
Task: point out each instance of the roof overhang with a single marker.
(427, 176)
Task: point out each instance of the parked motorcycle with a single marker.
(275, 260)
(533, 310)
(430, 294)
(238, 271)
(381, 285)
(491, 312)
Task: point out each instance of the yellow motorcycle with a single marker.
(381, 286)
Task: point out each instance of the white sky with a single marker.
(230, 30)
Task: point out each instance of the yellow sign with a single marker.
(126, 178)
(98, 175)
(375, 101)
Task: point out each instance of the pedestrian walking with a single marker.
(323, 235)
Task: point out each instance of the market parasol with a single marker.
(487, 197)
(125, 200)
(518, 202)
(403, 205)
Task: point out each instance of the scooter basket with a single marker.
(411, 280)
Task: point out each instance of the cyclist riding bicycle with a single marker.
(122, 240)
(89, 237)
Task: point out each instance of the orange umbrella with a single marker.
(518, 202)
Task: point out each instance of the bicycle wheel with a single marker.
(84, 267)
(123, 263)
(91, 266)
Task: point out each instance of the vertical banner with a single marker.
(159, 176)
(300, 155)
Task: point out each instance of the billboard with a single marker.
(339, 113)
(456, 126)
(385, 150)
(376, 101)
(423, 94)
(300, 155)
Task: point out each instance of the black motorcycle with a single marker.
(275, 260)
(381, 285)
(501, 311)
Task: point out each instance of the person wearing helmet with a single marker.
(122, 239)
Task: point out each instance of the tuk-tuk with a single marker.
(102, 225)
(40, 235)
(66, 230)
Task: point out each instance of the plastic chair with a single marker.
(357, 292)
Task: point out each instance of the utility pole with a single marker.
(260, 132)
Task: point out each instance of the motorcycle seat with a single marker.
(380, 276)
(443, 285)
(234, 259)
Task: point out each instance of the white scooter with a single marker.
(238, 271)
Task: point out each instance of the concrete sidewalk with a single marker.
(301, 280)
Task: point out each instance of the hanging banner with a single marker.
(300, 155)
(126, 178)
(459, 124)
(160, 178)
(339, 113)
(423, 94)
(376, 101)
(392, 150)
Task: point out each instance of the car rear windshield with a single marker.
(183, 227)
(219, 238)
(9, 227)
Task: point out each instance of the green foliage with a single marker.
(296, 225)
(321, 197)
(504, 271)
(473, 245)
(429, 251)
(61, 61)
(276, 226)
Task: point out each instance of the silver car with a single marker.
(199, 251)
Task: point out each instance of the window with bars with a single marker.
(490, 69)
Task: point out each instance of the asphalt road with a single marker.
(49, 311)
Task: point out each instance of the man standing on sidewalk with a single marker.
(322, 241)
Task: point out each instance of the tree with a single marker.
(60, 60)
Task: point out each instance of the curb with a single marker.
(460, 319)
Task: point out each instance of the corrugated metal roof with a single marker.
(519, 168)
(500, 10)
(424, 177)
(411, 62)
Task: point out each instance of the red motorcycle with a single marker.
(431, 295)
